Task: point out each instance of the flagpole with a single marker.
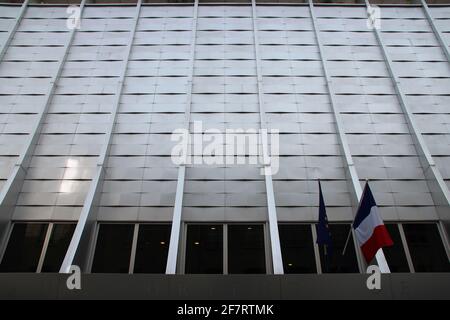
(351, 226)
(348, 239)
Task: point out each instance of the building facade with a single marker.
(88, 109)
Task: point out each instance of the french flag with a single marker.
(370, 230)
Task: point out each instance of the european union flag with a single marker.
(323, 230)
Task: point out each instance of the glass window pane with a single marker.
(426, 248)
(246, 253)
(113, 250)
(297, 247)
(57, 247)
(152, 248)
(204, 249)
(395, 255)
(24, 248)
(338, 263)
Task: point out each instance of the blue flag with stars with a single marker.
(323, 230)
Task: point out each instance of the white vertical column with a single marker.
(172, 257)
(12, 187)
(444, 236)
(353, 178)
(436, 30)
(134, 248)
(82, 239)
(445, 48)
(406, 248)
(345, 149)
(277, 258)
(45, 248)
(13, 29)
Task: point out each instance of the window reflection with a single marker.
(152, 248)
(426, 248)
(113, 249)
(204, 249)
(57, 247)
(338, 262)
(246, 249)
(395, 255)
(24, 247)
(297, 248)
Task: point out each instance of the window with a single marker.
(395, 255)
(246, 250)
(27, 250)
(208, 253)
(57, 247)
(338, 262)
(297, 248)
(152, 248)
(426, 248)
(116, 243)
(113, 249)
(204, 249)
(24, 247)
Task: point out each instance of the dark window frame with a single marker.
(50, 225)
(185, 245)
(351, 243)
(440, 238)
(183, 240)
(135, 238)
(317, 265)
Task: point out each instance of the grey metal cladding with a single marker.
(430, 81)
(224, 95)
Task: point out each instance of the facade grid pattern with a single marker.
(86, 116)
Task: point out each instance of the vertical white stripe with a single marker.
(366, 228)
